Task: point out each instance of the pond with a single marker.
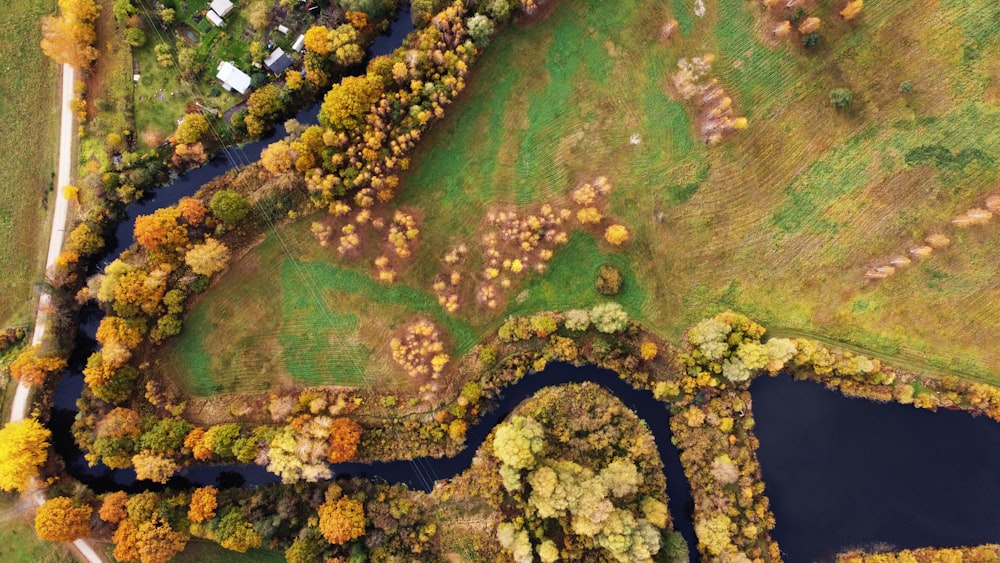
(844, 472)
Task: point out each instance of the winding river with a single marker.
(840, 472)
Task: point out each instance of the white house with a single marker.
(283, 29)
(214, 18)
(221, 7)
(232, 78)
(299, 44)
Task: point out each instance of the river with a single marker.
(843, 472)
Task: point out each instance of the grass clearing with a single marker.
(29, 106)
(780, 222)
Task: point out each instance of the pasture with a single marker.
(29, 106)
(780, 222)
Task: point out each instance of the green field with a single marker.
(29, 108)
(780, 222)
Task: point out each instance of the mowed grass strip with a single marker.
(780, 222)
(29, 109)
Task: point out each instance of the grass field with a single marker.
(29, 108)
(18, 542)
(780, 222)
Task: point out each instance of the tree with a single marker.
(203, 504)
(113, 507)
(58, 519)
(69, 38)
(341, 520)
(616, 234)
(153, 467)
(480, 29)
(342, 44)
(810, 40)
(307, 548)
(423, 10)
(192, 210)
(85, 240)
(207, 258)
(517, 442)
(168, 15)
(151, 541)
(235, 533)
(315, 40)
(229, 206)
(162, 231)
(277, 157)
(23, 449)
(135, 37)
(346, 104)
(31, 369)
(841, 98)
(345, 434)
(258, 14)
(609, 318)
(191, 129)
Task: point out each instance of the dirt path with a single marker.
(19, 406)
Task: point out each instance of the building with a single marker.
(283, 29)
(221, 7)
(299, 44)
(214, 18)
(277, 61)
(233, 79)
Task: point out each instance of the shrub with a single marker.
(841, 98)
(609, 280)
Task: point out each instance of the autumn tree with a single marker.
(31, 369)
(85, 240)
(207, 258)
(315, 40)
(343, 45)
(192, 210)
(341, 520)
(153, 467)
(203, 504)
(616, 234)
(147, 541)
(161, 231)
(113, 507)
(345, 434)
(191, 129)
(69, 38)
(346, 103)
(229, 206)
(59, 519)
(23, 449)
(263, 105)
(235, 533)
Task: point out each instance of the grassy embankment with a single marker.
(29, 108)
(781, 222)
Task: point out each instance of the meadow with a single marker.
(779, 222)
(29, 106)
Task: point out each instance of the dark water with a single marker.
(844, 472)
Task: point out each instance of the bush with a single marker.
(609, 280)
(810, 40)
(841, 98)
(905, 87)
(229, 206)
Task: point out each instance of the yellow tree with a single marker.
(69, 38)
(208, 257)
(852, 9)
(60, 520)
(31, 369)
(23, 449)
(616, 234)
(346, 103)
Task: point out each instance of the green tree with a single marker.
(229, 206)
(480, 29)
(841, 98)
